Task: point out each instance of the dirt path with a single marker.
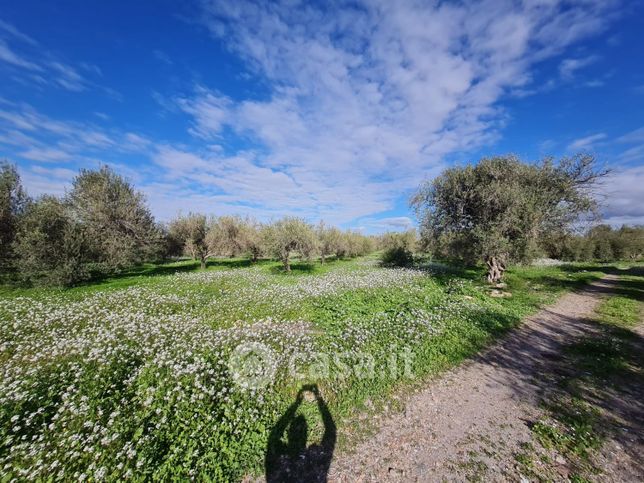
(470, 423)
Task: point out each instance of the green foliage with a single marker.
(397, 257)
(52, 247)
(192, 230)
(13, 201)
(602, 243)
(288, 235)
(101, 227)
(407, 240)
(115, 217)
(497, 210)
(330, 240)
(227, 236)
(398, 248)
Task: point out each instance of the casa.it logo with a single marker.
(252, 365)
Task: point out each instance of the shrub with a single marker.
(397, 257)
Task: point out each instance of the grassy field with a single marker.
(171, 372)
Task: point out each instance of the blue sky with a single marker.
(332, 110)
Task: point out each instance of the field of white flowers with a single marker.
(137, 382)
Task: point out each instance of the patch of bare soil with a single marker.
(473, 422)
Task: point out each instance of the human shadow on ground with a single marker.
(292, 460)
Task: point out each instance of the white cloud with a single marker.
(162, 56)
(624, 197)
(43, 68)
(209, 111)
(586, 143)
(396, 223)
(569, 67)
(67, 77)
(372, 92)
(365, 100)
(26, 133)
(10, 57)
(636, 136)
(46, 154)
(15, 33)
(40, 180)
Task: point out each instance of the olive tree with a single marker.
(329, 239)
(52, 247)
(497, 210)
(253, 239)
(226, 236)
(407, 240)
(288, 235)
(192, 230)
(116, 218)
(13, 202)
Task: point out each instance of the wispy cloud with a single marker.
(163, 57)
(379, 90)
(395, 223)
(42, 67)
(586, 143)
(365, 99)
(624, 201)
(33, 136)
(636, 136)
(10, 57)
(12, 31)
(568, 67)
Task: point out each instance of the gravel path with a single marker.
(485, 408)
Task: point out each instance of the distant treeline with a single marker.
(103, 226)
(600, 243)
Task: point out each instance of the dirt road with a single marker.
(471, 423)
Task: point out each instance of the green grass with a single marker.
(223, 433)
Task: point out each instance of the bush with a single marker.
(397, 257)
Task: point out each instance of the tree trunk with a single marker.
(203, 262)
(495, 269)
(322, 258)
(287, 264)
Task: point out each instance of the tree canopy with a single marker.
(496, 210)
(288, 235)
(13, 201)
(115, 216)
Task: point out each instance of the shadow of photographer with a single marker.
(293, 460)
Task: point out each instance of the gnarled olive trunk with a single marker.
(202, 259)
(287, 262)
(495, 269)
